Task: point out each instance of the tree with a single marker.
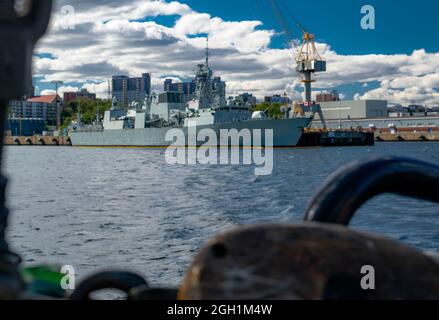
(88, 109)
(273, 110)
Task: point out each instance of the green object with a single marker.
(44, 280)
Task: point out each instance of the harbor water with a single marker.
(127, 208)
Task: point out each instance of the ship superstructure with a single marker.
(146, 123)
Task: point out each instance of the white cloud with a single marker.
(107, 41)
(61, 90)
(47, 92)
(409, 95)
(101, 89)
(95, 11)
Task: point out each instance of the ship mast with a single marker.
(207, 52)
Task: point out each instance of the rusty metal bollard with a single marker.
(307, 261)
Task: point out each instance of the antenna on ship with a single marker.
(207, 51)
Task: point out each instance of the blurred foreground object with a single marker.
(308, 261)
(22, 23)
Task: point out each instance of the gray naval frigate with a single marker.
(147, 124)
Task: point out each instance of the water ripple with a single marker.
(126, 208)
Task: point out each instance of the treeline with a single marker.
(86, 107)
(273, 110)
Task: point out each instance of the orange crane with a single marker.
(308, 60)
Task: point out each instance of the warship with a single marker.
(147, 124)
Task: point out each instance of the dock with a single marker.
(36, 141)
(336, 138)
(310, 138)
(407, 136)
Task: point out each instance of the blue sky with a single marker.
(401, 26)
(354, 69)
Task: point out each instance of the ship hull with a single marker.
(286, 133)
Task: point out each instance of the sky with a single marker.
(250, 45)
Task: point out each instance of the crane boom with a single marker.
(281, 20)
(287, 10)
(308, 59)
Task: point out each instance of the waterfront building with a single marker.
(171, 97)
(83, 93)
(187, 89)
(43, 107)
(359, 109)
(328, 96)
(246, 99)
(128, 90)
(39, 107)
(69, 96)
(17, 108)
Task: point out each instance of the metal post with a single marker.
(98, 115)
(79, 111)
(58, 110)
(308, 82)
